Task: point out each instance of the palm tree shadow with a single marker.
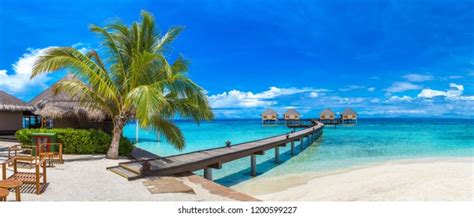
(263, 167)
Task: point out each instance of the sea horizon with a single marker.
(359, 118)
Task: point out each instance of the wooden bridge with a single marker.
(214, 158)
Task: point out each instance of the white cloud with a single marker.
(371, 89)
(414, 77)
(313, 94)
(405, 111)
(19, 81)
(399, 99)
(402, 86)
(81, 47)
(346, 100)
(375, 100)
(351, 87)
(236, 98)
(455, 77)
(454, 93)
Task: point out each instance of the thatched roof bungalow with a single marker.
(11, 113)
(349, 114)
(292, 114)
(269, 115)
(327, 114)
(67, 112)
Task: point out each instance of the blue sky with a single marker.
(383, 58)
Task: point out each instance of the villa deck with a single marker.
(214, 158)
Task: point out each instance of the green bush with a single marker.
(79, 141)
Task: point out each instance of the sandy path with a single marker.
(413, 180)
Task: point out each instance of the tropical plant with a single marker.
(78, 141)
(135, 80)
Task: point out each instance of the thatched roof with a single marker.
(62, 105)
(327, 112)
(270, 112)
(292, 112)
(349, 111)
(13, 104)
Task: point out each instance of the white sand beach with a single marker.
(85, 178)
(88, 180)
(442, 179)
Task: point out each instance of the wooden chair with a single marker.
(51, 151)
(29, 153)
(3, 194)
(24, 153)
(35, 177)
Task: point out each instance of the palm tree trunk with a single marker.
(113, 151)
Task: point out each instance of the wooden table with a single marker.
(3, 194)
(12, 183)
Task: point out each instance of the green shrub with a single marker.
(79, 141)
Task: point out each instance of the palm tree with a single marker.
(135, 80)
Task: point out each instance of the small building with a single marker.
(60, 110)
(12, 111)
(349, 116)
(269, 116)
(327, 116)
(292, 115)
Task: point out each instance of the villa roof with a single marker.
(13, 104)
(292, 112)
(62, 105)
(270, 111)
(327, 111)
(349, 111)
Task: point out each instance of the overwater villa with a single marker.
(269, 116)
(327, 116)
(349, 116)
(62, 111)
(12, 111)
(292, 115)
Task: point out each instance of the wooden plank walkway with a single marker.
(214, 158)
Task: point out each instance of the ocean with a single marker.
(370, 141)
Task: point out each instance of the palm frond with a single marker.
(147, 102)
(167, 39)
(84, 94)
(85, 68)
(170, 131)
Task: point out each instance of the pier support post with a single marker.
(277, 154)
(208, 173)
(253, 165)
(292, 148)
(302, 143)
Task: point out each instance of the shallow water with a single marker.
(370, 141)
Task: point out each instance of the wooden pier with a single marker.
(210, 159)
(300, 123)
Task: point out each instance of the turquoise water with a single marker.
(370, 141)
